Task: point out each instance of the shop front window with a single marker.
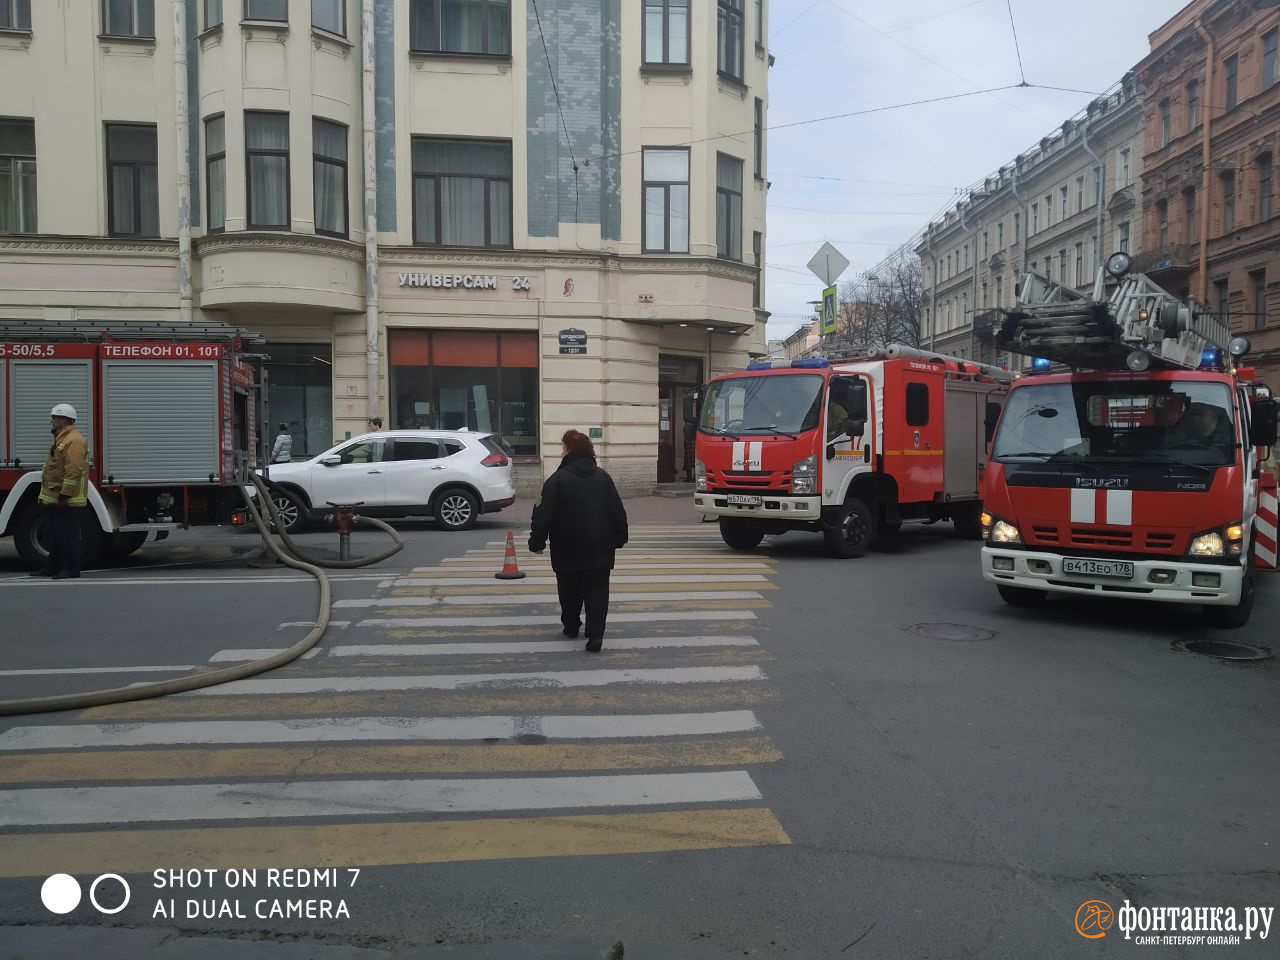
(474, 380)
(300, 393)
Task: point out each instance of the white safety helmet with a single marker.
(63, 410)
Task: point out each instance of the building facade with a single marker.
(1058, 209)
(1212, 136)
(479, 214)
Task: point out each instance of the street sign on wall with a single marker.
(573, 342)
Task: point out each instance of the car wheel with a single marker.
(851, 531)
(740, 534)
(456, 509)
(293, 513)
(1021, 596)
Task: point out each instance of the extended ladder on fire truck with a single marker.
(1140, 325)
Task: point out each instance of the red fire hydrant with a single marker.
(344, 514)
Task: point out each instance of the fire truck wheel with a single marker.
(1022, 596)
(123, 544)
(31, 538)
(852, 532)
(967, 519)
(1237, 616)
(740, 534)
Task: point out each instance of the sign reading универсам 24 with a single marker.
(460, 281)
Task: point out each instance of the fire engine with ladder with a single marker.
(850, 448)
(1136, 473)
(169, 411)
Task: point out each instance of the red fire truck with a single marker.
(169, 412)
(1136, 474)
(848, 448)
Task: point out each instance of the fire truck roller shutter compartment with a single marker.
(4, 417)
(34, 387)
(964, 446)
(161, 421)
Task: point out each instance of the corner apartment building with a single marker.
(1212, 136)
(1059, 209)
(473, 214)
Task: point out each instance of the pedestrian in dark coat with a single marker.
(582, 515)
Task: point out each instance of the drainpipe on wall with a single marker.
(370, 211)
(1205, 152)
(973, 296)
(1101, 167)
(933, 295)
(181, 121)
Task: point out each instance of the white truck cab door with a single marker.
(845, 454)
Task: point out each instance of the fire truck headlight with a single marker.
(1003, 532)
(804, 476)
(1208, 544)
(699, 476)
(1235, 538)
(987, 520)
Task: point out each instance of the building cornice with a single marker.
(291, 242)
(95, 246)
(414, 257)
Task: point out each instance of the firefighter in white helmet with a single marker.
(64, 486)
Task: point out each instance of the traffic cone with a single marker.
(510, 569)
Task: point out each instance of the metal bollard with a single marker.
(345, 516)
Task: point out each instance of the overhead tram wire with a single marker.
(559, 108)
(1016, 46)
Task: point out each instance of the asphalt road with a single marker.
(922, 771)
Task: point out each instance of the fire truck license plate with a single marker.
(743, 500)
(1120, 569)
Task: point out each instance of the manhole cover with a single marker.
(1224, 649)
(950, 631)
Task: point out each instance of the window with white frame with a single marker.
(133, 189)
(759, 139)
(1125, 172)
(1079, 263)
(1269, 41)
(666, 32)
(330, 16)
(329, 176)
(129, 18)
(728, 207)
(462, 192)
(760, 24)
(666, 200)
(729, 38)
(266, 143)
(1079, 194)
(474, 27)
(215, 172)
(15, 14)
(17, 176)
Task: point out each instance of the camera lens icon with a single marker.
(61, 893)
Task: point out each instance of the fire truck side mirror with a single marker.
(853, 427)
(1263, 425)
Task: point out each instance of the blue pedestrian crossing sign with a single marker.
(828, 311)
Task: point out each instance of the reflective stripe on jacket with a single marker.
(66, 469)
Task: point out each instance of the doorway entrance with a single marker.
(678, 378)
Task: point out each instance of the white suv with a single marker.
(451, 475)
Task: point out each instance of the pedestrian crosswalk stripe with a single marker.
(261, 653)
(532, 646)
(339, 759)
(465, 681)
(514, 599)
(374, 730)
(614, 581)
(448, 703)
(343, 845)
(460, 567)
(203, 802)
(614, 618)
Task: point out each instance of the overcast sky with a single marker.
(869, 183)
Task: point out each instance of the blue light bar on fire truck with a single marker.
(1041, 365)
(1211, 359)
(811, 363)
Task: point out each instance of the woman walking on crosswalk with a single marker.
(582, 515)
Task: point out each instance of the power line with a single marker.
(1016, 45)
(779, 31)
(885, 183)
